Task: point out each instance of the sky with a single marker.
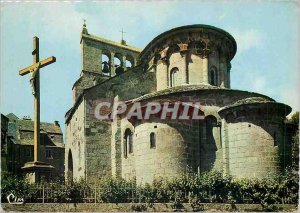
(267, 36)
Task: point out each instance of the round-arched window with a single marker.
(213, 77)
(152, 140)
(174, 77)
(128, 142)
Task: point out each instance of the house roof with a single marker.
(27, 125)
(12, 116)
(18, 126)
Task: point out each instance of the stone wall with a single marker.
(129, 207)
(93, 47)
(186, 146)
(254, 144)
(75, 154)
(175, 146)
(86, 80)
(98, 145)
(192, 69)
(131, 84)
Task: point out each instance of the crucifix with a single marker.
(35, 84)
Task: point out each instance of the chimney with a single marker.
(56, 123)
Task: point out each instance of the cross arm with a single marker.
(43, 63)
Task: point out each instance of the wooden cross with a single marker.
(35, 81)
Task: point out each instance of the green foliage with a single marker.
(17, 185)
(294, 119)
(71, 192)
(295, 151)
(195, 189)
(116, 190)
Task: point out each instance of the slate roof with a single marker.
(190, 88)
(257, 101)
(195, 27)
(96, 38)
(27, 125)
(12, 116)
(18, 126)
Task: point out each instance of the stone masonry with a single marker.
(242, 133)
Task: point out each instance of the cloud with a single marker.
(259, 84)
(247, 39)
(289, 94)
(222, 16)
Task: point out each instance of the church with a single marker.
(242, 133)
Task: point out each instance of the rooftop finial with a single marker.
(123, 41)
(84, 29)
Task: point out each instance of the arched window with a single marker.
(174, 75)
(70, 166)
(152, 140)
(129, 62)
(211, 122)
(127, 142)
(118, 64)
(105, 64)
(213, 77)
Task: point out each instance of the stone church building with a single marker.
(243, 133)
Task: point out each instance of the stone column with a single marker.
(166, 64)
(228, 73)
(225, 147)
(112, 64)
(222, 71)
(187, 59)
(100, 61)
(185, 77)
(205, 69)
(124, 62)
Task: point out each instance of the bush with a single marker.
(116, 190)
(71, 192)
(195, 189)
(17, 185)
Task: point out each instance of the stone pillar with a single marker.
(116, 143)
(222, 71)
(225, 147)
(112, 64)
(124, 62)
(100, 61)
(205, 69)
(185, 77)
(167, 74)
(228, 73)
(162, 76)
(187, 59)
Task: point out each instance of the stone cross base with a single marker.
(37, 171)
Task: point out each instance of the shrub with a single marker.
(116, 190)
(17, 185)
(195, 189)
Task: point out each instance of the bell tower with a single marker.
(106, 57)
